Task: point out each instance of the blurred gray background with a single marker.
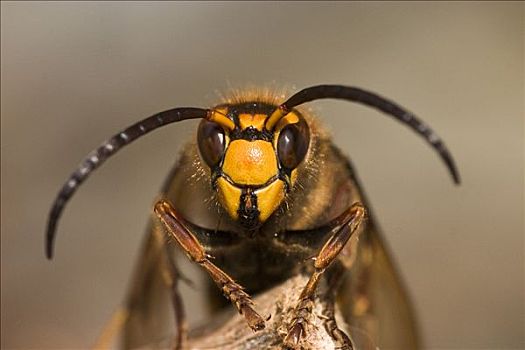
(75, 73)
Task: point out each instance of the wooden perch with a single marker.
(228, 330)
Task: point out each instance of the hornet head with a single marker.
(253, 162)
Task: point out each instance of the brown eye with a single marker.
(210, 138)
(293, 144)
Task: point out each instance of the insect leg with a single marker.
(195, 252)
(346, 224)
(340, 338)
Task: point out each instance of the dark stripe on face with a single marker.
(251, 134)
(248, 211)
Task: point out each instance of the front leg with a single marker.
(340, 338)
(195, 252)
(345, 225)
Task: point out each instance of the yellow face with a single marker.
(252, 167)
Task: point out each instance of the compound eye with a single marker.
(293, 144)
(211, 140)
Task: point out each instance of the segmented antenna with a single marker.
(372, 100)
(108, 148)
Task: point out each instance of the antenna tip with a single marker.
(454, 172)
(49, 250)
(457, 180)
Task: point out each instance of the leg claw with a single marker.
(294, 335)
(255, 321)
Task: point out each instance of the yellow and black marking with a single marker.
(250, 178)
